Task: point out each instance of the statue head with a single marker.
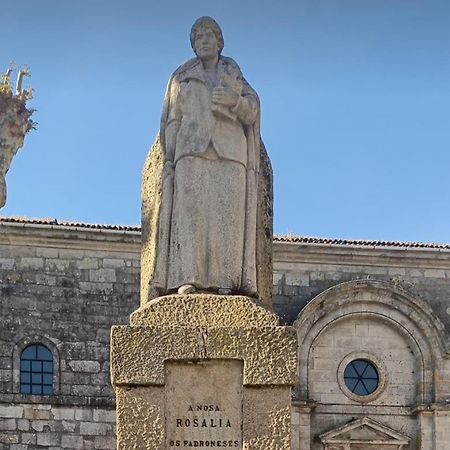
(210, 24)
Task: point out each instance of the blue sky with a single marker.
(355, 101)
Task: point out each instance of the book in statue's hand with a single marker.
(236, 86)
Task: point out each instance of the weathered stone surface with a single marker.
(55, 426)
(372, 433)
(302, 271)
(85, 366)
(202, 413)
(264, 229)
(72, 442)
(207, 184)
(138, 353)
(151, 190)
(15, 412)
(203, 310)
(272, 430)
(140, 418)
(151, 371)
(187, 347)
(48, 301)
(380, 323)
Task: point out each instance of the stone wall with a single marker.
(303, 270)
(25, 425)
(64, 286)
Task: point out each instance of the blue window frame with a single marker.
(361, 377)
(36, 370)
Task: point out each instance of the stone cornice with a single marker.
(129, 241)
(62, 236)
(61, 400)
(359, 255)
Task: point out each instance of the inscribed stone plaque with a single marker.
(204, 404)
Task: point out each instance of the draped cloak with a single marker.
(158, 214)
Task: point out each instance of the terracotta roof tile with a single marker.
(50, 221)
(286, 238)
(359, 242)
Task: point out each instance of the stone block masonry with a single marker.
(301, 272)
(64, 286)
(35, 425)
(65, 290)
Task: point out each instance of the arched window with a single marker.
(36, 370)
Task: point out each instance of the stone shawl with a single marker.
(157, 208)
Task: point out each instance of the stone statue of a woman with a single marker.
(207, 185)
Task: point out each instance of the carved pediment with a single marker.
(366, 432)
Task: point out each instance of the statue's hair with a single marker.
(210, 23)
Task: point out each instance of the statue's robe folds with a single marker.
(207, 208)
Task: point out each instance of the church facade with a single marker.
(372, 321)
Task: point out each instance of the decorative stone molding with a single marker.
(410, 316)
(69, 237)
(363, 433)
(361, 255)
(210, 310)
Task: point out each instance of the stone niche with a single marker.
(203, 371)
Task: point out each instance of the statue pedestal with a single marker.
(205, 371)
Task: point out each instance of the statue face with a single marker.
(206, 44)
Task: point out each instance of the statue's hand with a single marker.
(224, 95)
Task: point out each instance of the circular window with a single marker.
(361, 377)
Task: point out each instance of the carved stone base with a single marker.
(202, 371)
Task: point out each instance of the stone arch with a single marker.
(411, 317)
(51, 344)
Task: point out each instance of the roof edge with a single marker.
(56, 223)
